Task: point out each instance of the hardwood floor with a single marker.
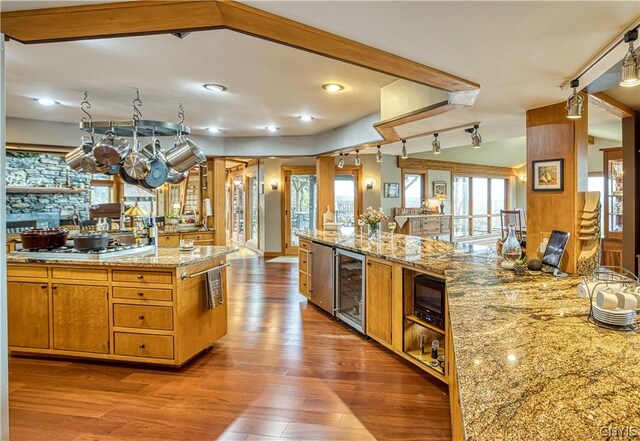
(284, 371)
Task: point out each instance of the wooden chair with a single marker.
(18, 226)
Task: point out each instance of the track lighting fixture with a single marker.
(379, 155)
(435, 144)
(574, 102)
(404, 154)
(341, 161)
(357, 161)
(476, 139)
(630, 62)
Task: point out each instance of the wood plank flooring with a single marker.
(284, 371)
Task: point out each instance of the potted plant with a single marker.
(520, 265)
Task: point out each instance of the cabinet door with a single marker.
(378, 300)
(28, 314)
(80, 318)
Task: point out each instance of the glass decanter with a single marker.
(511, 249)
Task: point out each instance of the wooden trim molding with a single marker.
(458, 168)
(610, 105)
(152, 17)
(38, 148)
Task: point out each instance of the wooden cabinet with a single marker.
(200, 238)
(80, 318)
(28, 306)
(168, 240)
(427, 225)
(305, 268)
(379, 294)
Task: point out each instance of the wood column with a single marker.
(551, 135)
(217, 186)
(631, 188)
(326, 176)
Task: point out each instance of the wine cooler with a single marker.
(350, 289)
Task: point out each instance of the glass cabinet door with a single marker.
(350, 290)
(614, 192)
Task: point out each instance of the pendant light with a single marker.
(630, 68)
(357, 161)
(341, 161)
(379, 155)
(435, 144)
(476, 139)
(574, 102)
(404, 150)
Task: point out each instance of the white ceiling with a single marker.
(519, 52)
(269, 84)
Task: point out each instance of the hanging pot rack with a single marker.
(143, 127)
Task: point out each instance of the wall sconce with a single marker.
(522, 178)
(274, 185)
(370, 184)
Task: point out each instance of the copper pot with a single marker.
(37, 238)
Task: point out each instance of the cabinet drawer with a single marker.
(198, 236)
(203, 243)
(31, 271)
(303, 256)
(302, 285)
(428, 222)
(142, 316)
(142, 276)
(86, 274)
(169, 240)
(143, 345)
(142, 293)
(305, 245)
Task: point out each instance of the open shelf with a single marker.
(45, 190)
(424, 324)
(425, 359)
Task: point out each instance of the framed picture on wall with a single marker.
(439, 187)
(548, 175)
(391, 190)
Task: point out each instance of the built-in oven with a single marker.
(350, 288)
(429, 299)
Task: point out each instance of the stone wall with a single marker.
(44, 170)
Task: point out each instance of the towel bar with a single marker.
(184, 276)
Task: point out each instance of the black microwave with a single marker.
(429, 299)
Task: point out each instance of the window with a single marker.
(345, 196)
(413, 190)
(253, 208)
(144, 198)
(101, 191)
(477, 202)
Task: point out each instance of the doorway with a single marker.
(300, 204)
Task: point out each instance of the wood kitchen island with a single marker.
(142, 308)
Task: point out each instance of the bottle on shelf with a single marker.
(153, 232)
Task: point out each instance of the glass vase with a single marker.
(511, 249)
(374, 231)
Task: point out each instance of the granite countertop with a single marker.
(530, 366)
(162, 257)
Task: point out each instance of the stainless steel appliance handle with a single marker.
(184, 276)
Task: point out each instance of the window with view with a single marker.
(477, 202)
(413, 188)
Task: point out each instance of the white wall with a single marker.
(444, 176)
(389, 172)
(371, 172)
(521, 189)
(595, 156)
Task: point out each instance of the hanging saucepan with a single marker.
(158, 168)
(74, 157)
(175, 177)
(135, 166)
(111, 149)
(113, 169)
(90, 165)
(185, 155)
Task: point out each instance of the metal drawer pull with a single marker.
(141, 294)
(140, 276)
(141, 345)
(184, 276)
(141, 317)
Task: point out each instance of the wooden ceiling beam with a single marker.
(155, 17)
(610, 105)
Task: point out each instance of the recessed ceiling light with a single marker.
(215, 87)
(46, 101)
(332, 87)
(305, 118)
(214, 130)
(272, 128)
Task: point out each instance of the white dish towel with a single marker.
(214, 288)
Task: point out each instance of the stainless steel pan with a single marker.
(111, 149)
(136, 165)
(185, 155)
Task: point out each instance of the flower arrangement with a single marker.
(373, 217)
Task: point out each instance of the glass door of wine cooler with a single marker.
(350, 288)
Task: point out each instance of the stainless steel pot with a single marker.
(158, 168)
(185, 155)
(90, 241)
(136, 165)
(175, 177)
(111, 149)
(91, 165)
